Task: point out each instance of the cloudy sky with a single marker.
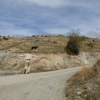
(33, 17)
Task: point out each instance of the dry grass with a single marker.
(46, 44)
(10, 72)
(85, 73)
(12, 42)
(87, 82)
(48, 62)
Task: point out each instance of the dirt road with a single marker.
(36, 86)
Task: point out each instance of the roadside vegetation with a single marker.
(74, 43)
(85, 85)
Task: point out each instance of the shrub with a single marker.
(5, 38)
(72, 48)
(73, 45)
(90, 44)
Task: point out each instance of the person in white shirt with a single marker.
(28, 61)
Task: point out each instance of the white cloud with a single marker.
(49, 3)
(4, 25)
(93, 34)
(20, 32)
(56, 31)
(11, 29)
(71, 3)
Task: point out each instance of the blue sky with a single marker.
(33, 17)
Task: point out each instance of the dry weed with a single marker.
(86, 82)
(85, 73)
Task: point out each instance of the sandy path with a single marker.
(36, 86)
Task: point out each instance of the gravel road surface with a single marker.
(36, 86)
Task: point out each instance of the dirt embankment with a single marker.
(12, 63)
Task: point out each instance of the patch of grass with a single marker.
(10, 72)
(40, 69)
(87, 82)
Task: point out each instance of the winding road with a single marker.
(36, 86)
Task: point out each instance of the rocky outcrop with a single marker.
(12, 61)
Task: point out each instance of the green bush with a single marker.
(73, 45)
(90, 44)
(72, 48)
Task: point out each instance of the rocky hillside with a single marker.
(12, 63)
(51, 47)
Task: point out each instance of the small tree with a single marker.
(5, 38)
(73, 44)
(90, 44)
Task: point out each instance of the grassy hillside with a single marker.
(46, 44)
